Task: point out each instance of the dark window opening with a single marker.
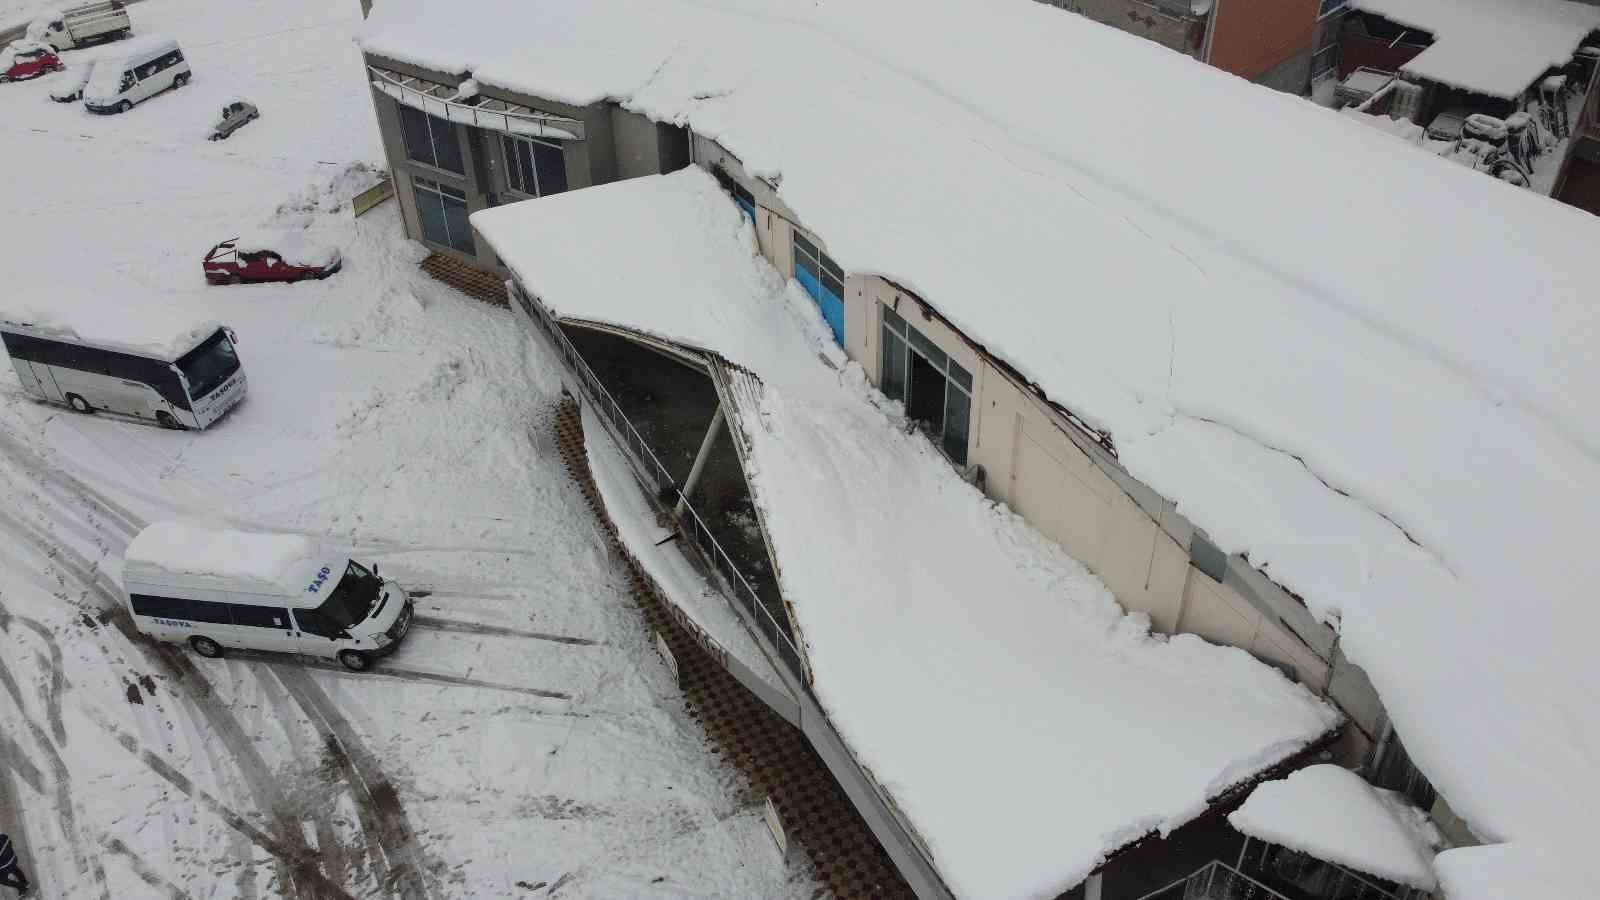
(207, 611)
(430, 140)
(534, 167)
(163, 607)
(937, 391)
(442, 211)
(259, 616)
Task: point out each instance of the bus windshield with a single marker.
(209, 364)
(352, 598)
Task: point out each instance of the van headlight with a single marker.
(380, 639)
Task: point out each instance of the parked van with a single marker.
(147, 67)
(216, 589)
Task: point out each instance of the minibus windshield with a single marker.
(209, 364)
(352, 597)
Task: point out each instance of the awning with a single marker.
(444, 101)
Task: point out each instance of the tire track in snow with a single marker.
(461, 627)
(298, 858)
(374, 792)
(146, 874)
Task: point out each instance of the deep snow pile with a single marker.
(1335, 815)
(1380, 391)
(523, 735)
(271, 563)
(1494, 47)
(941, 632)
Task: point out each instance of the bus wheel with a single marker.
(354, 660)
(165, 420)
(206, 647)
(79, 404)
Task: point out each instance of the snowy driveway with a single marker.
(524, 741)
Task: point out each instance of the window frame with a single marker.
(439, 190)
(509, 157)
(428, 124)
(896, 337)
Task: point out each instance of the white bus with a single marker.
(186, 382)
(215, 589)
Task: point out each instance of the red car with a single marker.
(284, 257)
(22, 60)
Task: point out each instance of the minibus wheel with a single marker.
(206, 647)
(355, 660)
(79, 404)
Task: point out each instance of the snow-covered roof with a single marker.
(960, 640)
(278, 564)
(1335, 815)
(1378, 388)
(132, 325)
(1494, 47)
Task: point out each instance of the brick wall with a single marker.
(1250, 37)
(1357, 50)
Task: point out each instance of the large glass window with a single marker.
(165, 607)
(936, 390)
(209, 364)
(430, 140)
(443, 212)
(823, 279)
(534, 167)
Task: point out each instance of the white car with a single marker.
(69, 86)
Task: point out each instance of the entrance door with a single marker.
(41, 381)
(824, 281)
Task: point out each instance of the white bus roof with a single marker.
(110, 323)
(149, 45)
(283, 565)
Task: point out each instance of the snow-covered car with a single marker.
(24, 60)
(234, 116)
(69, 86)
(1448, 125)
(286, 256)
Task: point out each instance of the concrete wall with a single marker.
(1166, 25)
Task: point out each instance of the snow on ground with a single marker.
(1335, 815)
(941, 631)
(1494, 47)
(490, 756)
(1380, 390)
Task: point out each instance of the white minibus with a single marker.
(146, 67)
(186, 380)
(217, 588)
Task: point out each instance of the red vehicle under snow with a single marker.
(22, 60)
(287, 257)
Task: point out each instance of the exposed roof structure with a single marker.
(1494, 47)
(1380, 390)
(1334, 815)
(975, 670)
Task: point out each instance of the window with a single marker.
(164, 607)
(1328, 7)
(936, 390)
(206, 611)
(259, 616)
(313, 622)
(430, 140)
(443, 211)
(823, 280)
(741, 195)
(534, 167)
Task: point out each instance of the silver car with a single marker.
(234, 116)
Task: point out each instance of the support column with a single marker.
(693, 481)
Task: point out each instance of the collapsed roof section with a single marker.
(944, 635)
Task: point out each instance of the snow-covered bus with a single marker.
(183, 380)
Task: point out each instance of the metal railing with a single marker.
(659, 483)
(440, 100)
(1217, 880)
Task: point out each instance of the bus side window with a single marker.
(252, 616)
(207, 611)
(164, 607)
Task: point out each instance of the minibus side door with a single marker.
(265, 627)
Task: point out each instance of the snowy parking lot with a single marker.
(523, 742)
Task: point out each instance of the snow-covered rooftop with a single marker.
(959, 640)
(1494, 47)
(281, 564)
(1335, 815)
(1379, 388)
